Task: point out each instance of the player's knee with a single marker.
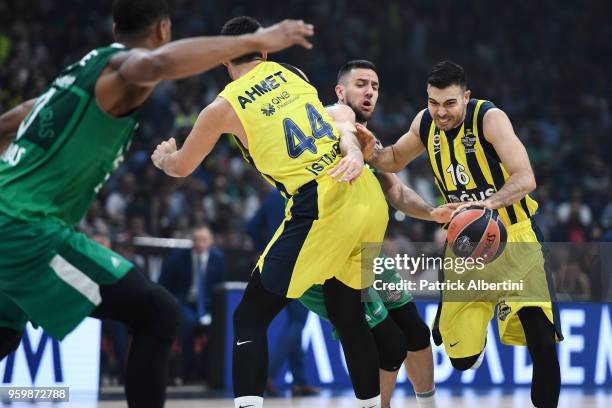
(9, 341)
(391, 354)
(167, 313)
(464, 363)
(415, 330)
(418, 338)
(391, 344)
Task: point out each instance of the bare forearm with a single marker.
(385, 160)
(10, 121)
(410, 203)
(403, 198)
(193, 55)
(349, 143)
(516, 187)
(184, 58)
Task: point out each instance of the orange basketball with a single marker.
(477, 232)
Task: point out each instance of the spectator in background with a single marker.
(190, 275)
(117, 202)
(267, 219)
(575, 217)
(288, 346)
(574, 282)
(94, 221)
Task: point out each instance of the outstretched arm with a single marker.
(10, 121)
(216, 119)
(397, 156)
(403, 198)
(183, 58)
(129, 78)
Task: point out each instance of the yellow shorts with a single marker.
(462, 326)
(322, 234)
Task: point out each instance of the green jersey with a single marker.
(66, 148)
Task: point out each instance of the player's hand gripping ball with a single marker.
(477, 232)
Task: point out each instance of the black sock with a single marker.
(540, 334)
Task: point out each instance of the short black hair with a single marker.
(445, 74)
(361, 63)
(238, 26)
(133, 17)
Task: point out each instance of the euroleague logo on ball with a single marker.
(464, 245)
(477, 232)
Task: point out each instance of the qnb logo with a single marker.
(34, 357)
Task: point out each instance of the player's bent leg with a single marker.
(540, 335)
(346, 314)
(419, 361)
(391, 347)
(153, 315)
(415, 330)
(9, 341)
(252, 317)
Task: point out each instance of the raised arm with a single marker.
(130, 76)
(216, 119)
(10, 121)
(499, 132)
(395, 157)
(183, 58)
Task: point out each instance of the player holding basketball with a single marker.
(64, 146)
(477, 157)
(285, 132)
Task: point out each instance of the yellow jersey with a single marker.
(291, 138)
(466, 166)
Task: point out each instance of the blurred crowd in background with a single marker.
(550, 76)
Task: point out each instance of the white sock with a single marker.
(426, 399)
(369, 403)
(248, 402)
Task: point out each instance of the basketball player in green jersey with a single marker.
(391, 315)
(63, 146)
(477, 158)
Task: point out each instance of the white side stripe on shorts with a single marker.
(77, 279)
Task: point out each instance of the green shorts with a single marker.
(51, 275)
(377, 306)
(375, 310)
(391, 298)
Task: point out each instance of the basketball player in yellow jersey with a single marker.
(333, 207)
(476, 157)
